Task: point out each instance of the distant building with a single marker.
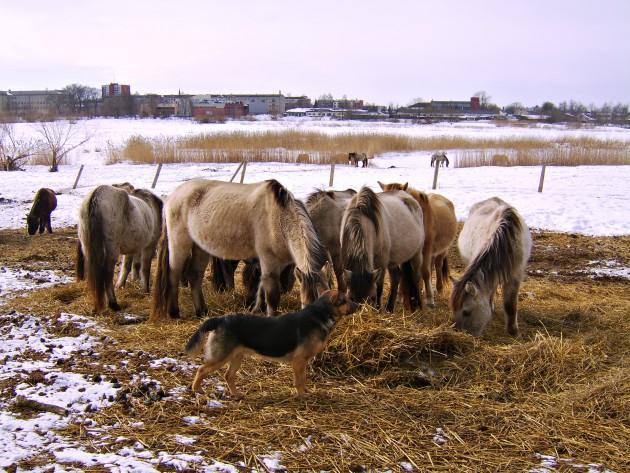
(258, 104)
(210, 107)
(32, 102)
(347, 104)
(115, 90)
(445, 109)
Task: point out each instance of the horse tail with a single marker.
(195, 343)
(80, 263)
(162, 281)
(410, 287)
(307, 250)
(96, 250)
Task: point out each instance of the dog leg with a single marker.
(299, 374)
(235, 364)
(203, 371)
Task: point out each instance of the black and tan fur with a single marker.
(39, 217)
(295, 338)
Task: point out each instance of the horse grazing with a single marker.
(440, 228)
(234, 221)
(439, 158)
(353, 159)
(326, 210)
(382, 232)
(39, 216)
(495, 243)
(112, 222)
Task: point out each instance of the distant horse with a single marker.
(326, 209)
(364, 160)
(39, 217)
(114, 222)
(382, 232)
(353, 159)
(234, 221)
(440, 159)
(440, 227)
(495, 243)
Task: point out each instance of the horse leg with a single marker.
(394, 280)
(196, 270)
(379, 289)
(180, 249)
(270, 283)
(127, 261)
(48, 224)
(510, 299)
(438, 262)
(145, 268)
(425, 271)
(411, 277)
(110, 263)
(42, 225)
(135, 269)
(337, 267)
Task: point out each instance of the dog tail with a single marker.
(194, 345)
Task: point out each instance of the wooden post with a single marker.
(236, 172)
(542, 178)
(243, 171)
(332, 175)
(435, 174)
(76, 181)
(157, 174)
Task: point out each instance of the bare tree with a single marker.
(59, 138)
(484, 98)
(14, 151)
(79, 96)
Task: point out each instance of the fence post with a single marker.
(435, 174)
(542, 178)
(157, 174)
(236, 172)
(332, 175)
(76, 181)
(243, 171)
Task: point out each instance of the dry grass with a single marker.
(321, 148)
(386, 382)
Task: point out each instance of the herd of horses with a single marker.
(357, 235)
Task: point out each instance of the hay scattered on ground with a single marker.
(390, 388)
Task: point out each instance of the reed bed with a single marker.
(391, 391)
(320, 148)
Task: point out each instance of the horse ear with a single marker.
(298, 274)
(471, 288)
(405, 185)
(381, 184)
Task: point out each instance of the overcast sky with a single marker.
(383, 52)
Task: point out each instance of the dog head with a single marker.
(341, 304)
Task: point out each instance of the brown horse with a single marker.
(382, 232)
(326, 210)
(440, 226)
(114, 222)
(439, 159)
(495, 243)
(39, 216)
(234, 221)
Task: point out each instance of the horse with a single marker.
(353, 159)
(326, 210)
(364, 160)
(439, 158)
(440, 227)
(382, 232)
(495, 243)
(234, 221)
(113, 221)
(39, 217)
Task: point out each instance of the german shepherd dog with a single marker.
(295, 338)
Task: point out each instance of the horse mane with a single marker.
(282, 195)
(367, 204)
(495, 263)
(149, 196)
(318, 194)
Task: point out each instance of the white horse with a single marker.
(114, 221)
(495, 243)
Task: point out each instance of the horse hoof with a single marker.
(114, 306)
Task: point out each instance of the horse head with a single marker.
(312, 285)
(361, 284)
(471, 304)
(32, 223)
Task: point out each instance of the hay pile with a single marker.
(390, 389)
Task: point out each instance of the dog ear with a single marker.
(381, 184)
(405, 185)
(329, 293)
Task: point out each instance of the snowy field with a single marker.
(587, 199)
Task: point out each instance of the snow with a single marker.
(14, 281)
